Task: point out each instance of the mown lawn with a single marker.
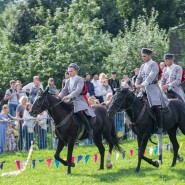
(122, 172)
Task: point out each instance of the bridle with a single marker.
(119, 106)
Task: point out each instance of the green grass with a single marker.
(122, 172)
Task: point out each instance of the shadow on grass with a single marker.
(110, 176)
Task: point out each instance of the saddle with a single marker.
(166, 112)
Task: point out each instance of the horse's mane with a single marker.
(67, 106)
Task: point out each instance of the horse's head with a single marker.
(118, 101)
(40, 104)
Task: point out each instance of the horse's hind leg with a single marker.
(173, 139)
(98, 143)
(160, 146)
(60, 146)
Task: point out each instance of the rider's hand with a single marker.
(65, 98)
(139, 86)
(165, 87)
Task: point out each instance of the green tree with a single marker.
(170, 12)
(145, 32)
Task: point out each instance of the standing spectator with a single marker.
(19, 114)
(28, 126)
(97, 87)
(136, 72)
(33, 87)
(65, 79)
(162, 65)
(106, 89)
(102, 77)
(113, 82)
(1, 98)
(21, 92)
(12, 97)
(42, 130)
(10, 144)
(52, 88)
(126, 83)
(3, 125)
(89, 84)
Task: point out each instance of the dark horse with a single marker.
(143, 121)
(68, 127)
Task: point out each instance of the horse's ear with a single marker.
(47, 89)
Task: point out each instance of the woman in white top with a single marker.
(28, 126)
(106, 89)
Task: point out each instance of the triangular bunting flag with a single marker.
(180, 147)
(156, 150)
(144, 152)
(24, 163)
(80, 158)
(49, 162)
(57, 163)
(123, 154)
(117, 155)
(167, 146)
(95, 157)
(18, 163)
(131, 152)
(1, 164)
(87, 158)
(151, 151)
(73, 159)
(33, 163)
(41, 160)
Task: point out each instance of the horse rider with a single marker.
(73, 91)
(147, 81)
(171, 78)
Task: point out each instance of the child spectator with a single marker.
(10, 139)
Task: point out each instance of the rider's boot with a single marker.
(158, 116)
(85, 121)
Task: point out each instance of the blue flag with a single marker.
(87, 158)
(33, 163)
(57, 163)
(80, 158)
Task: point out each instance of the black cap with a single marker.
(169, 56)
(95, 73)
(113, 72)
(147, 51)
(75, 66)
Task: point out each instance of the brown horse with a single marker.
(68, 128)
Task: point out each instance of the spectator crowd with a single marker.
(19, 98)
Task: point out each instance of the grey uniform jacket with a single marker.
(148, 76)
(73, 90)
(173, 79)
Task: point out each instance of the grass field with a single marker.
(122, 172)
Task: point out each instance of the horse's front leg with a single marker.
(60, 146)
(139, 158)
(160, 147)
(71, 142)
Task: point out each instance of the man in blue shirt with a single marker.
(89, 84)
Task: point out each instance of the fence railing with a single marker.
(44, 137)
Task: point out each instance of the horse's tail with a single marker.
(152, 141)
(115, 140)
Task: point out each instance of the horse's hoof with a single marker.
(156, 164)
(109, 166)
(180, 158)
(160, 162)
(137, 170)
(172, 165)
(100, 169)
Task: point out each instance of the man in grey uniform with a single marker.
(147, 80)
(171, 78)
(73, 91)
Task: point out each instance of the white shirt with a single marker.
(97, 87)
(31, 85)
(170, 70)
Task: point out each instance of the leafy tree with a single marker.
(144, 32)
(171, 12)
